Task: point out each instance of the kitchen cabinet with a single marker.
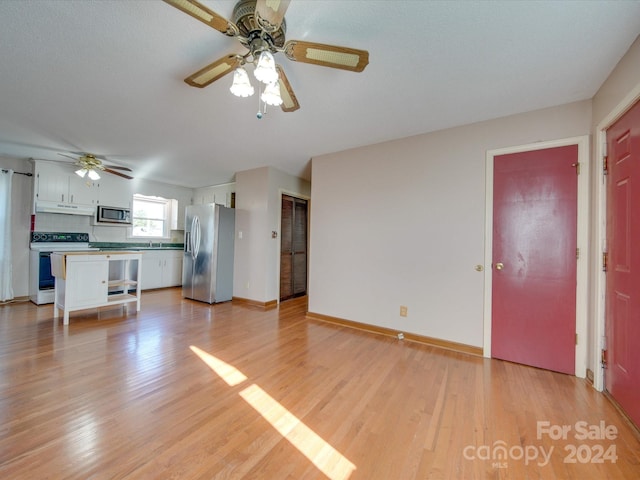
(58, 183)
(114, 191)
(163, 268)
(172, 270)
(82, 281)
(220, 194)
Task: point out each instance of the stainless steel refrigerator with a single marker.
(207, 267)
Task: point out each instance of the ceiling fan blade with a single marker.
(205, 15)
(106, 169)
(289, 100)
(327, 55)
(113, 167)
(270, 13)
(214, 71)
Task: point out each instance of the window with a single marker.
(151, 216)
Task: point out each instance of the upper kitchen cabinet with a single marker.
(55, 182)
(220, 194)
(115, 191)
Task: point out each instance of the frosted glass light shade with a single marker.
(241, 86)
(266, 70)
(81, 172)
(93, 175)
(271, 94)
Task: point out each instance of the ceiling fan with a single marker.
(90, 164)
(260, 26)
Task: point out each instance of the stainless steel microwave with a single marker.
(119, 215)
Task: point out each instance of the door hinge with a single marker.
(605, 165)
(605, 261)
(577, 253)
(577, 167)
(576, 338)
(603, 358)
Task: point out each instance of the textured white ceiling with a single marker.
(106, 77)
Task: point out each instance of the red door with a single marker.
(622, 376)
(535, 202)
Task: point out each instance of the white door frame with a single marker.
(601, 233)
(281, 192)
(582, 238)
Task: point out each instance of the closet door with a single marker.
(293, 248)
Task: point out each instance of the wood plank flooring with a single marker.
(120, 395)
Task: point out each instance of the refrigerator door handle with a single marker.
(196, 240)
(192, 234)
(187, 242)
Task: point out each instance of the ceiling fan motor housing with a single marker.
(252, 35)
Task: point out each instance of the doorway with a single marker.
(621, 357)
(534, 258)
(502, 335)
(293, 247)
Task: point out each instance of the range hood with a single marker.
(66, 208)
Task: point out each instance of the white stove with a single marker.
(41, 282)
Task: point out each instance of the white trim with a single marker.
(582, 237)
(601, 232)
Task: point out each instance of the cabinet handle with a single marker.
(63, 197)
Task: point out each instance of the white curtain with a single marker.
(6, 267)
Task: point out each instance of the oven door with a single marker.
(46, 281)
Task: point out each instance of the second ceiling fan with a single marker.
(260, 26)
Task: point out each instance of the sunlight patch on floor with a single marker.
(227, 372)
(326, 458)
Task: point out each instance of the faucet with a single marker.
(150, 244)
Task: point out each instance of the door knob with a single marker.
(499, 266)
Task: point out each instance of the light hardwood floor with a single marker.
(184, 390)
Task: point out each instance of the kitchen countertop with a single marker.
(98, 252)
(108, 246)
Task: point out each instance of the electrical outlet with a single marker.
(403, 310)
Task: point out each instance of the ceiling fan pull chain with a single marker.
(260, 113)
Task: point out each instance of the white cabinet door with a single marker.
(151, 270)
(114, 191)
(82, 191)
(59, 183)
(161, 268)
(172, 272)
(88, 282)
(52, 183)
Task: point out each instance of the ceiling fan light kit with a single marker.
(271, 95)
(241, 86)
(92, 174)
(266, 69)
(259, 25)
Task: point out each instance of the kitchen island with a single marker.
(83, 280)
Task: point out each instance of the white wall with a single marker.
(258, 194)
(402, 223)
(252, 235)
(21, 195)
(622, 80)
